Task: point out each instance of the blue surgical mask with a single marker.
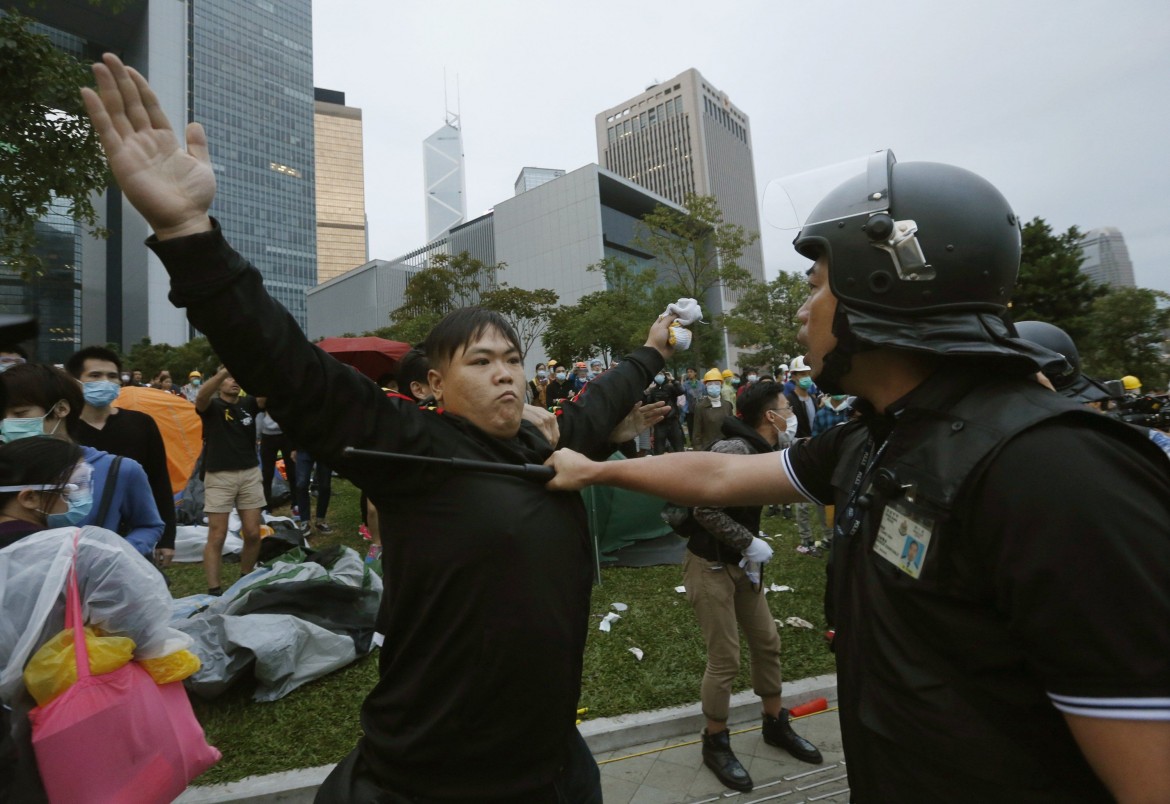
(805, 382)
(542, 374)
(17, 428)
(753, 377)
(79, 507)
(100, 393)
(714, 388)
(560, 375)
(659, 378)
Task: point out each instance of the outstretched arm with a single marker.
(687, 478)
(324, 405)
(171, 186)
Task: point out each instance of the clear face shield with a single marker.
(858, 188)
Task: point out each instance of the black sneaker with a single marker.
(323, 526)
(718, 756)
(778, 731)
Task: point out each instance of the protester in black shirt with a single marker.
(118, 431)
(668, 432)
(479, 600)
(559, 388)
(233, 479)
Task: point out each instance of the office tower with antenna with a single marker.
(443, 174)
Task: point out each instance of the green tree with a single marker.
(49, 153)
(1051, 286)
(1127, 333)
(449, 282)
(527, 310)
(696, 251)
(151, 358)
(764, 320)
(609, 322)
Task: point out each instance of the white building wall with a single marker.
(550, 234)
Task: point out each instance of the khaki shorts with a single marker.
(240, 489)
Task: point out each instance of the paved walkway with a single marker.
(647, 758)
(672, 771)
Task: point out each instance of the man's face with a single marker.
(483, 383)
(137, 376)
(99, 370)
(229, 387)
(816, 318)
(692, 374)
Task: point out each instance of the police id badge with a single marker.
(903, 538)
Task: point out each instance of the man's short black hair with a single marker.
(13, 349)
(76, 361)
(756, 400)
(413, 367)
(460, 328)
(43, 385)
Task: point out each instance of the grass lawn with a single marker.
(318, 723)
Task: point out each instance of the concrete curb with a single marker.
(601, 735)
(614, 733)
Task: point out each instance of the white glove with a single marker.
(758, 551)
(687, 310)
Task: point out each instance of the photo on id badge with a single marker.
(903, 539)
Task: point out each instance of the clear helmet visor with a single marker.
(789, 203)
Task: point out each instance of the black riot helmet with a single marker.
(922, 257)
(1067, 379)
(915, 238)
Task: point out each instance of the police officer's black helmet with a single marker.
(916, 238)
(1067, 379)
(923, 257)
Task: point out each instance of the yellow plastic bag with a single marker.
(53, 668)
(172, 667)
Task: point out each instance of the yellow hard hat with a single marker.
(727, 373)
(1130, 382)
(713, 376)
(194, 374)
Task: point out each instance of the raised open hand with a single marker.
(171, 186)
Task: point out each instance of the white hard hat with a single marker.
(798, 364)
(783, 367)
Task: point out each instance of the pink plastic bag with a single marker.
(117, 737)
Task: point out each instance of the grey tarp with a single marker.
(292, 620)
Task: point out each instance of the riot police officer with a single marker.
(1023, 654)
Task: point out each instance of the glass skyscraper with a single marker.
(446, 198)
(250, 74)
(1106, 259)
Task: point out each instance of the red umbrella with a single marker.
(373, 357)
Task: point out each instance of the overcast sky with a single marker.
(1063, 104)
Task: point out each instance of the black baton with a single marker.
(529, 471)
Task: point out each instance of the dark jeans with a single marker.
(270, 445)
(305, 464)
(578, 782)
(668, 431)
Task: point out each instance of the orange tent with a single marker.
(180, 425)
